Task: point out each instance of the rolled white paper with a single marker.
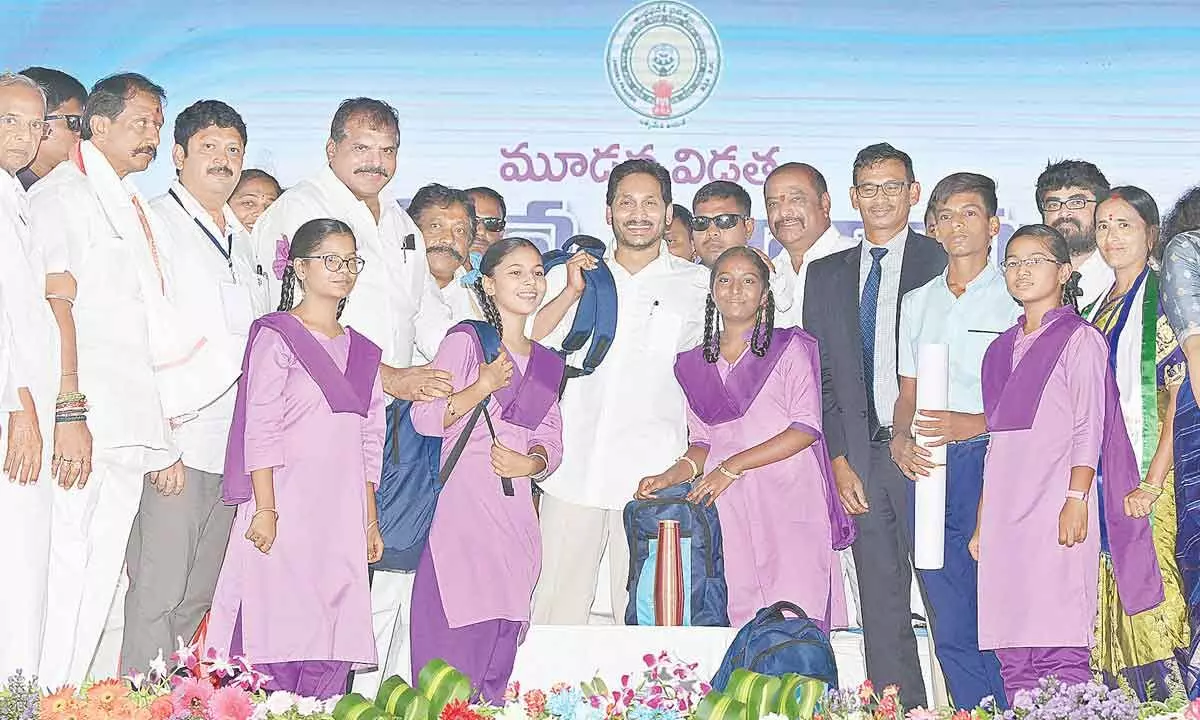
(933, 391)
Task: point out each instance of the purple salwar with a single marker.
(307, 678)
(1022, 667)
(483, 651)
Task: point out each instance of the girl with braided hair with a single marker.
(302, 463)
(1054, 413)
(754, 410)
(474, 581)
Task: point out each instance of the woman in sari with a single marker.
(1149, 368)
(1181, 301)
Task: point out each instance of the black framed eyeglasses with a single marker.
(492, 224)
(334, 263)
(724, 221)
(891, 188)
(74, 122)
(1072, 204)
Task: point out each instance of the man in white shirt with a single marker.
(394, 303)
(798, 203)
(124, 347)
(1068, 192)
(64, 120)
(627, 419)
(965, 308)
(29, 378)
(446, 218)
(178, 542)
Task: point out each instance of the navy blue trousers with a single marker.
(952, 592)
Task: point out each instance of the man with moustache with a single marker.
(446, 218)
(131, 363)
(394, 303)
(64, 120)
(798, 203)
(965, 308)
(627, 419)
(178, 542)
(490, 217)
(28, 385)
(1068, 192)
(852, 305)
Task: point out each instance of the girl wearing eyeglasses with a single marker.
(302, 463)
(1054, 415)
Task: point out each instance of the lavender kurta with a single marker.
(1034, 592)
(308, 598)
(485, 545)
(774, 521)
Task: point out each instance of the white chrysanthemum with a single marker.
(513, 711)
(260, 712)
(774, 716)
(309, 706)
(331, 703)
(280, 702)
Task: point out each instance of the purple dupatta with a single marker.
(716, 402)
(1011, 398)
(348, 392)
(530, 395)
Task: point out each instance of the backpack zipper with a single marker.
(786, 644)
(706, 529)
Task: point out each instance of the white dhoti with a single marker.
(89, 532)
(391, 605)
(25, 537)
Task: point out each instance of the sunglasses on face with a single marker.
(492, 224)
(334, 263)
(74, 122)
(724, 221)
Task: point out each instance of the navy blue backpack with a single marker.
(409, 488)
(706, 597)
(596, 314)
(774, 644)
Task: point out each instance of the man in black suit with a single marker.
(852, 306)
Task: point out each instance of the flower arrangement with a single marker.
(210, 687)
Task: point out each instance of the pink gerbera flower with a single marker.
(191, 696)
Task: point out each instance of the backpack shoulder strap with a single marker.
(489, 339)
(596, 312)
(460, 444)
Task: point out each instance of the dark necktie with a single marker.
(866, 325)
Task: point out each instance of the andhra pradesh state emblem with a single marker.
(663, 61)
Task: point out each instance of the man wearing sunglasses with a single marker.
(1067, 195)
(64, 117)
(490, 217)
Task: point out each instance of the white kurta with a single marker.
(830, 242)
(460, 304)
(226, 298)
(394, 302)
(132, 345)
(631, 404)
(1097, 278)
(29, 359)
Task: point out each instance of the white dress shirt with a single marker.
(967, 324)
(887, 387)
(225, 301)
(460, 304)
(627, 419)
(394, 302)
(1097, 278)
(89, 228)
(831, 241)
